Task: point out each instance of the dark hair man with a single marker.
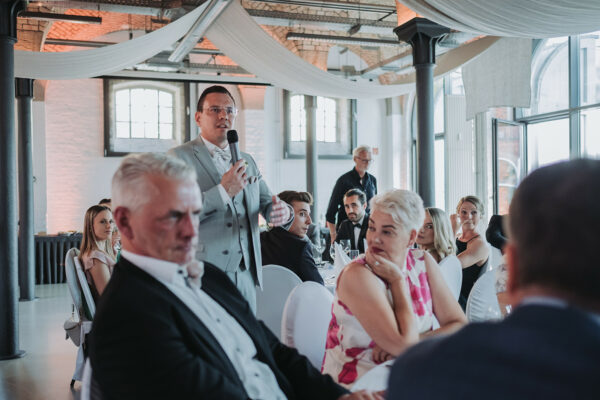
(355, 227)
(233, 195)
(291, 248)
(358, 178)
(169, 327)
(549, 347)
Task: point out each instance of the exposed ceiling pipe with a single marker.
(75, 19)
(337, 5)
(94, 44)
(343, 39)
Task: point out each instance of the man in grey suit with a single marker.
(233, 196)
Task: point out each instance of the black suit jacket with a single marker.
(147, 344)
(495, 232)
(346, 231)
(281, 247)
(538, 352)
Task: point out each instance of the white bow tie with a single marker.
(222, 154)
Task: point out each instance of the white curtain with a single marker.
(512, 18)
(245, 42)
(96, 62)
(500, 77)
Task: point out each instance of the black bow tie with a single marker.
(357, 225)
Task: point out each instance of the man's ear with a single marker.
(121, 217)
(198, 117)
(511, 257)
(412, 239)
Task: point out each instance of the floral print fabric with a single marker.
(348, 348)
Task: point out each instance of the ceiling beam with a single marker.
(337, 5)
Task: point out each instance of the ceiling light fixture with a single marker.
(343, 39)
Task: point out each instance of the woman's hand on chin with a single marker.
(384, 268)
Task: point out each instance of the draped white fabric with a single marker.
(96, 62)
(512, 18)
(500, 77)
(245, 42)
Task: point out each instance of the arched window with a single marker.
(144, 113)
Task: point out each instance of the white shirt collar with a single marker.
(211, 147)
(162, 270)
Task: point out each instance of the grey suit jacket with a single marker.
(218, 243)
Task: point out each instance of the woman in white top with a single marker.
(97, 254)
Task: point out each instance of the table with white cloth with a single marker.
(329, 276)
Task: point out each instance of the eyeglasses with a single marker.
(365, 160)
(230, 111)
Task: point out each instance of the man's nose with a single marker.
(309, 220)
(189, 226)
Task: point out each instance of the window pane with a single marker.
(455, 82)
(123, 130)
(508, 147)
(122, 111)
(166, 131)
(151, 131)
(547, 143)
(589, 63)
(590, 137)
(438, 111)
(440, 177)
(137, 111)
(165, 99)
(550, 77)
(166, 114)
(137, 129)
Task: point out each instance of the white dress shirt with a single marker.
(256, 376)
(357, 231)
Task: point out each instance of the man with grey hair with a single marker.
(168, 326)
(549, 346)
(358, 178)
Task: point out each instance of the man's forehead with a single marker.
(352, 199)
(218, 99)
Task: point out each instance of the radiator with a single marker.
(50, 251)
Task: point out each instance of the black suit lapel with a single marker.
(363, 233)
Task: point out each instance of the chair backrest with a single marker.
(278, 282)
(452, 272)
(495, 257)
(305, 321)
(89, 304)
(72, 281)
(482, 304)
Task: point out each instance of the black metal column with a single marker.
(24, 91)
(423, 35)
(9, 320)
(310, 105)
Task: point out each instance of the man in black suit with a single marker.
(355, 227)
(549, 347)
(170, 327)
(292, 248)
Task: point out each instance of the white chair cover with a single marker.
(495, 257)
(482, 304)
(86, 383)
(278, 282)
(452, 272)
(306, 317)
(85, 288)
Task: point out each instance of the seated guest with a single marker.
(387, 298)
(105, 203)
(471, 249)
(169, 327)
(495, 233)
(549, 346)
(96, 253)
(355, 227)
(435, 236)
(291, 248)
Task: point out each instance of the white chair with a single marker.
(89, 304)
(482, 304)
(89, 387)
(495, 257)
(305, 320)
(451, 270)
(278, 282)
(76, 328)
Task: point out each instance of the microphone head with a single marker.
(232, 136)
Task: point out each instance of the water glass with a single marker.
(345, 243)
(353, 254)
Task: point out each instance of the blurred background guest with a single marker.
(291, 248)
(495, 232)
(97, 253)
(105, 203)
(355, 227)
(471, 248)
(435, 236)
(359, 178)
(387, 298)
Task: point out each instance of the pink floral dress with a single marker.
(348, 350)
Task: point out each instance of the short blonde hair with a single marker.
(360, 149)
(473, 200)
(443, 238)
(405, 208)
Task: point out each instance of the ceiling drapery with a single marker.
(512, 18)
(246, 43)
(97, 62)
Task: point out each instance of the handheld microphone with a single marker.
(232, 139)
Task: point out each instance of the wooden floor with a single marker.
(46, 369)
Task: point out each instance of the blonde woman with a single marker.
(435, 236)
(97, 254)
(471, 247)
(385, 300)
